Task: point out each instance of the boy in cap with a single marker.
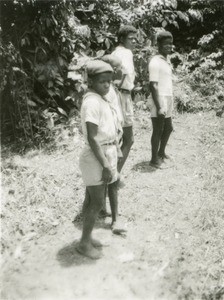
(113, 97)
(98, 160)
(127, 40)
(160, 78)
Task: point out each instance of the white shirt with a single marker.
(160, 71)
(97, 111)
(113, 99)
(126, 56)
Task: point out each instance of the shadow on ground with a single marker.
(144, 167)
(68, 256)
(101, 222)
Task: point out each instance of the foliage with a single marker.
(41, 40)
(203, 65)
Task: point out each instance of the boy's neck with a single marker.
(93, 91)
(162, 54)
(121, 45)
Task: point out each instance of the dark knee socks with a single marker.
(162, 128)
(157, 125)
(168, 128)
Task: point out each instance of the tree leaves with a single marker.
(164, 23)
(31, 103)
(183, 16)
(62, 111)
(44, 38)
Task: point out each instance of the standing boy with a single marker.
(98, 160)
(113, 97)
(160, 78)
(127, 40)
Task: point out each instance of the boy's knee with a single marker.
(128, 141)
(131, 141)
(98, 205)
(169, 128)
(157, 132)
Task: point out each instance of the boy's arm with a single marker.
(97, 150)
(155, 97)
(118, 82)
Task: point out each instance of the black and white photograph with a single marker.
(112, 149)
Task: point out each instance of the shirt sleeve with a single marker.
(127, 63)
(153, 71)
(126, 57)
(91, 110)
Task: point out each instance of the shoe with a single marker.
(164, 156)
(156, 164)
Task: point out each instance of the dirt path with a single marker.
(166, 254)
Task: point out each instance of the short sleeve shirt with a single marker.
(113, 99)
(97, 111)
(126, 56)
(160, 71)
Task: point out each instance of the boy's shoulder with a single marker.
(91, 95)
(155, 60)
(122, 51)
(155, 57)
(91, 98)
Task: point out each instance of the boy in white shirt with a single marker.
(114, 98)
(160, 78)
(98, 160)
(127, 36)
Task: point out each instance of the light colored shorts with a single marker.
(127, 109)
(167, 104)
(92, 170)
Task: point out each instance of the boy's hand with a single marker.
(161, 112)
(117, 82)
(107, 174)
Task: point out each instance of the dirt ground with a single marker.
(174, 216)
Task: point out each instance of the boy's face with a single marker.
(101, 83)
(166, 46)
(130, 41)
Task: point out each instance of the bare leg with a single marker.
(103, 212)
(112, 192)
(96, 195)
(128, 140)
(86, 201)
(116, 225)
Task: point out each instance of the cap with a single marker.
(97, 67)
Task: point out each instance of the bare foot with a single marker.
(104, 214)
(96, 243)
(88, 251)
(118, 228)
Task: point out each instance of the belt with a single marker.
(124, 91)
(109, 144)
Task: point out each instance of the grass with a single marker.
(40, 190)
(210, 217)
(43, 190)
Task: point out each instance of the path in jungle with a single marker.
(155, 259)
